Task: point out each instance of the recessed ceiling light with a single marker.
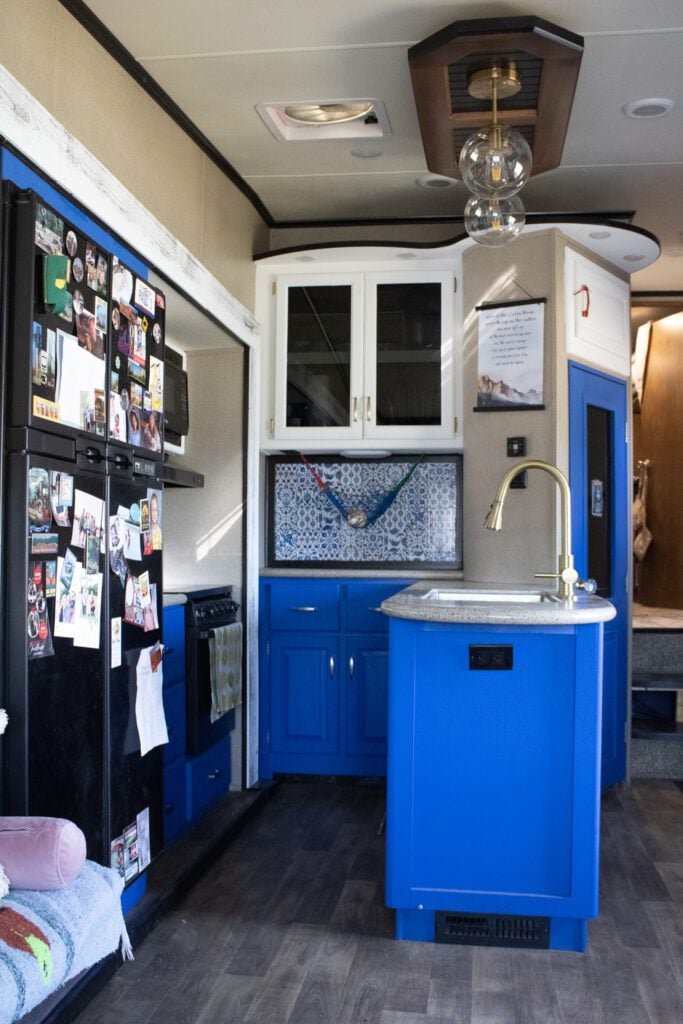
(652, 107)
(305, 259)
(327, 113)
(600, 234)
(634, 257)
(366, 152)
(434, 181)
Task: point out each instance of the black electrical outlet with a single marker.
(491, 657)
(519, 482)
(516, 447)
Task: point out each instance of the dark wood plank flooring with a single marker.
(289, 927)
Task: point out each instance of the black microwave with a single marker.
(176, 400)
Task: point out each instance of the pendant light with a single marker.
(495, 163)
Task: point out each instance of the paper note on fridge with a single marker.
(79, 371)
(149, 705)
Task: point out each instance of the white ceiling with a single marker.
(218, 58)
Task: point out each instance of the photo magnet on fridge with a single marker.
(39, 505)
(49, 230)
(50, 579)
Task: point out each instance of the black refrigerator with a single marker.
(82, 527)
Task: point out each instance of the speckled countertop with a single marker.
(514, 608)
(361, 574)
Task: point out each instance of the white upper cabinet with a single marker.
(597, 315)
(361, 360)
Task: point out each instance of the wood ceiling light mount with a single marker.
(547, 59)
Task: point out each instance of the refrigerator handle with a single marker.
(92, 454)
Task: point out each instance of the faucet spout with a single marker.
(566, 573)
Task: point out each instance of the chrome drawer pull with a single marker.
(332, 667)
(376, 610)
(215, 773)
(304, 608)
(351, 666)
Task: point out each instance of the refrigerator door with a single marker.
(136, 362)
(58, 322)
(135, 611)
(56, 751)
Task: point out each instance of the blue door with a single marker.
(601, 492)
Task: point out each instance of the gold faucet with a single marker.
(566, 574)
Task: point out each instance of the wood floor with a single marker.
(289, 927)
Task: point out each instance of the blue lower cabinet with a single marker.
(324, 652)
(208, 778)
(174, 644)
(174, 709)
(496, 810)
(175, 800)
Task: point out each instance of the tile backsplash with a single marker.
(420, 527)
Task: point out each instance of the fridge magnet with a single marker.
(130, 852)
(117, 417)
(101, 315)
(149, 707)
(55, 278)
(101, 279)
(151, 618)
(147, 401)
(134, 432)
(116, 642)
(46, 409)
(50, 579)
(49, 230)
(156, 333)
(125, 400)
(155, 510)
(137, 372)
(144, 514)
(145, 297)
(510, 356)
(78, 302)
(90, 263)
(87, 632)
(60, 509)
(92, 554)
(134, 513)
(123, 513)
(116, 857)
(43, 356)
(39, 639)
(156, 383)
(138, 350)
(144, 845)
(99, 406)
(117, 561)
(151, 438)
(71, 243)
(121, 282)
(143, 583)
(160, 300)
(39, 507)
(78, 269)
(68, 311)
(66, 489)
(123, 343)
(131, 542)
(133, 613)
(115, 318)
(44, 543)
(136, 394)
(114, 382)
(89, 337)
(88, 511)
(147, 548)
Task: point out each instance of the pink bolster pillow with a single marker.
(41, 853)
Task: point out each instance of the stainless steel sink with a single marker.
(444, 595)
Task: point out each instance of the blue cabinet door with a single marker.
(367, 672)
(304, 691)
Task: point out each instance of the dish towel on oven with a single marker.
(225, 652)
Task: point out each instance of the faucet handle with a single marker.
(568, 575)
(590, 586)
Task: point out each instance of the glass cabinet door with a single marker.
(408, 360)
(319, 325)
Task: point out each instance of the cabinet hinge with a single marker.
(455, 424)
(271, 425)
(273, 288)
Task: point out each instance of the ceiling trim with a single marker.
(99, 31)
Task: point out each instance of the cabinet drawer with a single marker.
(175, 800)
(174, 709)
(363, 601)
(174, 642)
(301, 605)
(208, 777)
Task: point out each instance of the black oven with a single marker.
(205, 610)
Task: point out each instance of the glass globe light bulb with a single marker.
(493, 221)
(495, 161)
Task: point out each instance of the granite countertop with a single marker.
(339, 573)
(514, 607)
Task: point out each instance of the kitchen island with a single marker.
(494, 764)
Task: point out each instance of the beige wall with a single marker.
(203, 527)
(59, 63)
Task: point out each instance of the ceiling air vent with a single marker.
(317, 120)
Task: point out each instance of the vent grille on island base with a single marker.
(492, 930)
